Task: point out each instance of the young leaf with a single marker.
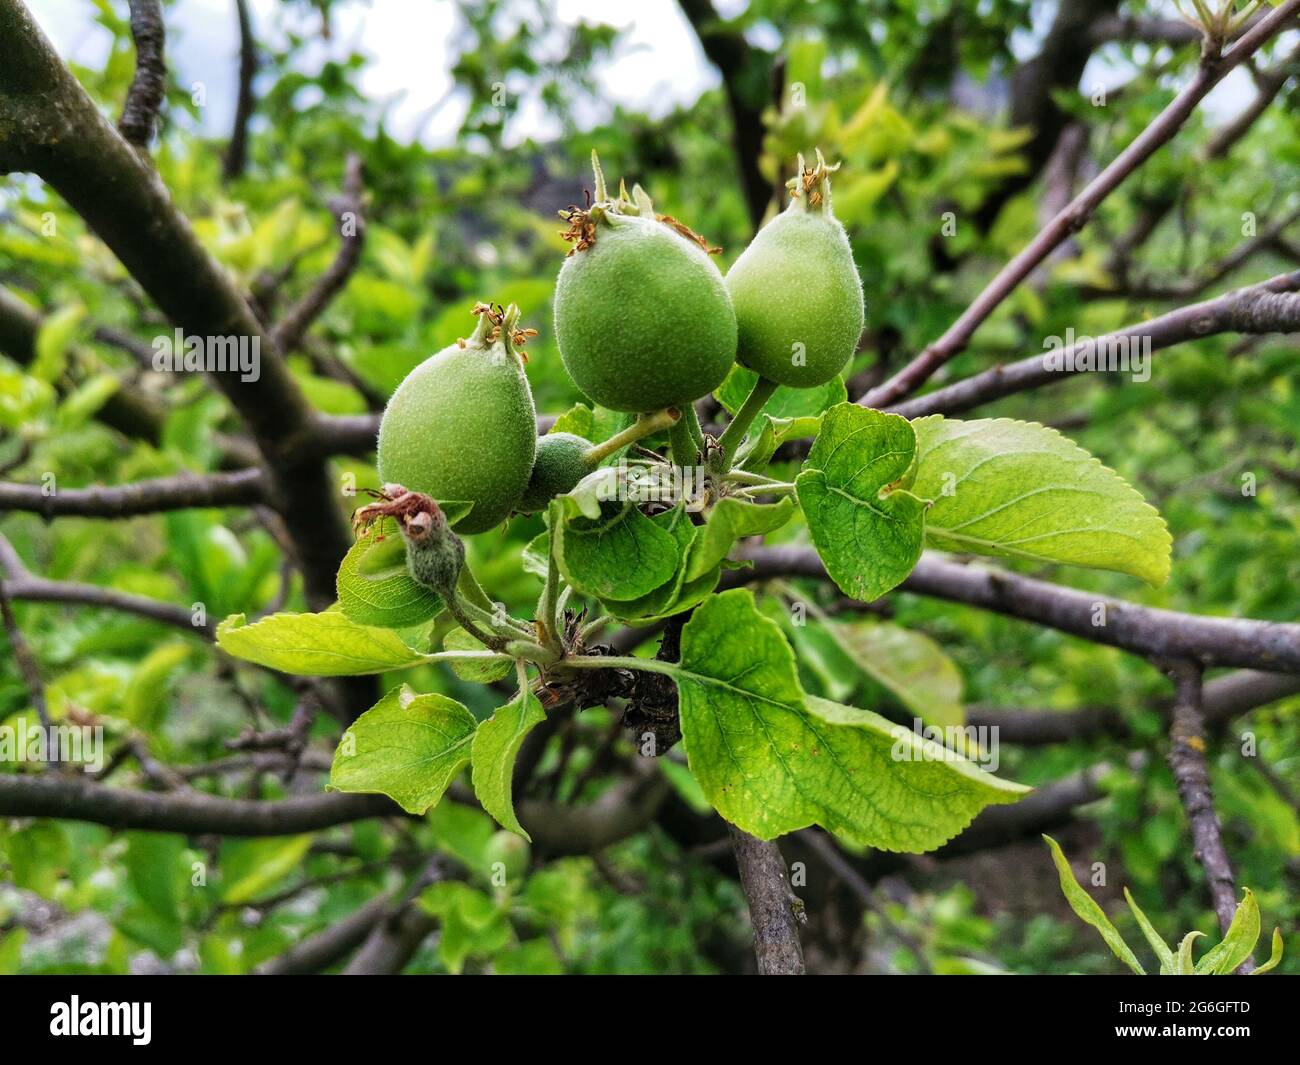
(853, 489)
(1089, 912)
(496, 745)
(407, 746)
(727, 522)
(770, 433)
(484, 670)
(1021, 490)
(910, 664)
(374, 587)
(665, 599)
(53, 340)
(1238, 942)
(535, 558)
(1162, 951)
(1274, 957)
(786, 402)
(1183, 963)
(817, 653)
(772, 760)
(473, 923)
(251, 867)
(315, 645)
(621, 555)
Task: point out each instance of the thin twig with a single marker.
(1076, 215)
(149, 86)
(823, 846)
(1272, 306)
(27, 665)
(1192, 776)
(1191, 287)
(287, 335)
(236, 157)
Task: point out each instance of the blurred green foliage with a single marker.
(869, 82)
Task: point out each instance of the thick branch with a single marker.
(1147, 631)
(1224, 698)
(236, 157)
(329, 946)
(774, 910)
(557, 829)
(745, 80)
(1042, 810)
(184, 491)
(149, 86)
(392, 942)
(1192, 776)
(48, 125)
(1272, 306)
(288, 334)
(79, 799)
(1075, 216)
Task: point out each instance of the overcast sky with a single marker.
(657, 65)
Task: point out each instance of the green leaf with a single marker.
(1162, 950)
(772, 760)
(152, 864)
(1238, 942)
(473, 924)
(1274, 957)
(11, 951)
(769, 434)
(143, 701)
(909, 664)
(1086, 908)
(853, 489)
(786, 402)
(576, 420)
(374, 586)
(86, 399)
(669, 597)
(536, 555)
(533, 957)
(621, 555)
(1021, 490)
(251, 867)
(1183, 963)
(53, 340)
(666, 601)
(315, 645)
(727, 522)
(595, 425)
(496, 745)
(484, 670)
(409, 747)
